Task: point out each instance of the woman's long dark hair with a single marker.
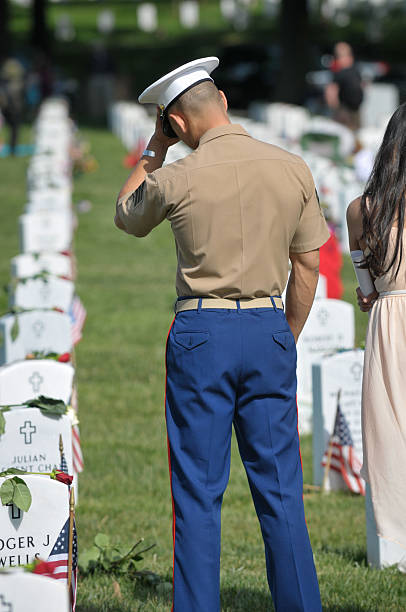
(383, 201)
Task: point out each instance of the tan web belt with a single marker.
(243, 304)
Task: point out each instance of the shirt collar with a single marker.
(222, 130)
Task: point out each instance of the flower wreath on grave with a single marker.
(61, 357)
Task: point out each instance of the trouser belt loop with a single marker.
(238, 306)
(199, 305)
(273, 303)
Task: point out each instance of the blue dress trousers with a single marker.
(236, 367)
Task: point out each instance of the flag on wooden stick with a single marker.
(340, 454)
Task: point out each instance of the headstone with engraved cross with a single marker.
(21, 591)
(46, 231)
(339, 371)
(189, 13)
(31, 441)
(29, 264)
(28, 535)
(23, 380)
(37, 330)
(330, 327)
(147, 17)
(48, 292)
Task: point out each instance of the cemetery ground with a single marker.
(127, 286)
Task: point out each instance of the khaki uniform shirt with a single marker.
(237, 207)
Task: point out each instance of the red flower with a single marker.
(44, 568)
(64, 358)
(62, 477)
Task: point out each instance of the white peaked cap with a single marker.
(172, 85)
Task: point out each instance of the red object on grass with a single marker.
(331, 262)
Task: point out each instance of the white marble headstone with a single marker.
(24, 380)
(31, 441)
(380, 101)
(49, 199)
(49, 292)
(189, 13)
(22, 591)
(147, 17)
(381, 552)
(330, 326)
(228, 9)
(45, 231)
(46, 331)
(28, 535)
(29, 264)
(341, 371)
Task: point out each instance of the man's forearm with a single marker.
(144, 166)
(300, 294)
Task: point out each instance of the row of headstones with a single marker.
(235, 11)
(36, 358)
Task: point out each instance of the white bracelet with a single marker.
(149, 153)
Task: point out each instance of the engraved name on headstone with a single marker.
(33, 534)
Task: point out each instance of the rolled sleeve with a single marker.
(143, 209)
(312, 231)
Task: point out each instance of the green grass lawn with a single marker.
(127, 286)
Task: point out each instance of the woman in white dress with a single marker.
(376, 226)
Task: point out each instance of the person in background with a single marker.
(344, 94)
(12, 98)
(376, 227)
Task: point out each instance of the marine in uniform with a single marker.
(239, 209)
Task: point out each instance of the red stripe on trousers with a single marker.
(170, 475)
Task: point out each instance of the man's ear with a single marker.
(180, 121)
(223, 97)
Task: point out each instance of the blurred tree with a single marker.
(294, 41)
(4, 29)
(40, 37)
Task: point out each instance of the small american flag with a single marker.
(343, 458)
(77, 313)
(58, 559)
(76, 447)
(64, 466)
(76, 450)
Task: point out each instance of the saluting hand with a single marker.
(159, 136)
(365, 302)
